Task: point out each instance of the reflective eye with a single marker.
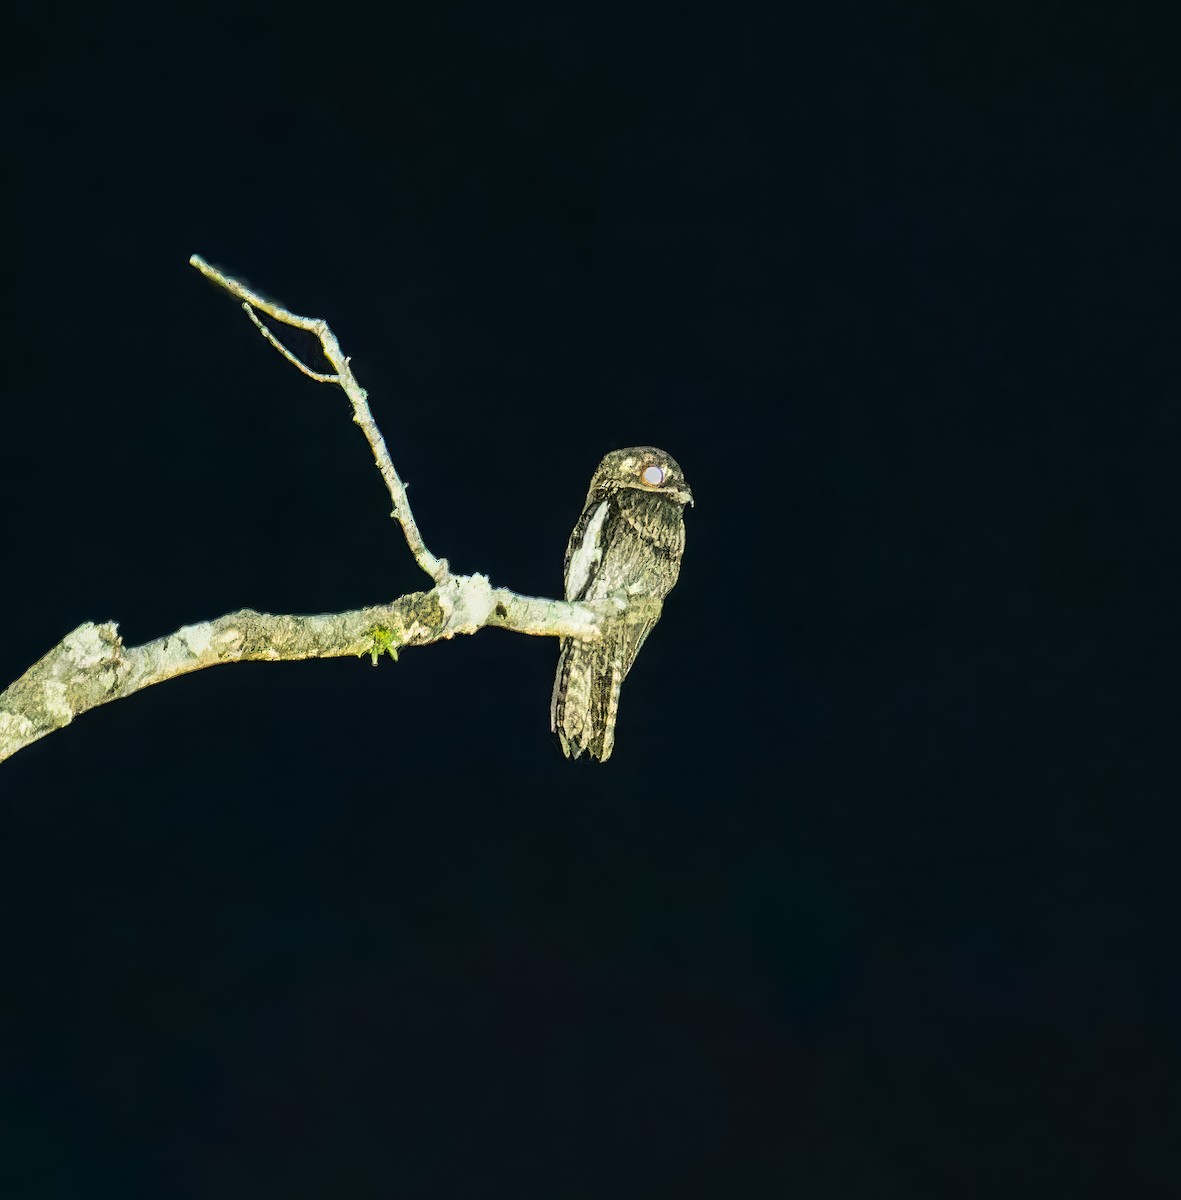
(653, 476)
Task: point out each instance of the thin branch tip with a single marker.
(343, 377)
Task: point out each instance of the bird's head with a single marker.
(644, 468)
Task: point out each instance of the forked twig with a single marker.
(92, 666)
(436, 568)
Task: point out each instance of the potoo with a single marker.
(628, 542)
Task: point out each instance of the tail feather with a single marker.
(586, 698)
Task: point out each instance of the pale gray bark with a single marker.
(92, 666)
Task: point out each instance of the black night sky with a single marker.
(878, 897)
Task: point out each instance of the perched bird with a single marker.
(628, 541)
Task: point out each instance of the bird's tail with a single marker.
(586, 698)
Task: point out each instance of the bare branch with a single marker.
(91, 666)
(436, 568)
(298, 363)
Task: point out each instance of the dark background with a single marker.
(878, 895)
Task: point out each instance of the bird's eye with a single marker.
(653, 476)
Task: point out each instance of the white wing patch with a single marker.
(586, 556)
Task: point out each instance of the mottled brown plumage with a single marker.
(628, 541)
